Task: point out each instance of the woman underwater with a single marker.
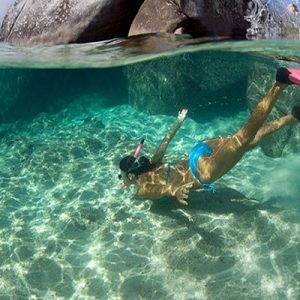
(210, 159)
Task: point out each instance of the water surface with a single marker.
(68, 232)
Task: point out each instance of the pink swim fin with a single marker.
(288, 76)
(294, 76)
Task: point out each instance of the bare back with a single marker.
(170, 174)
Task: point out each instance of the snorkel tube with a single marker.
(138, 148)
(135, 155)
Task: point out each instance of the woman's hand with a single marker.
(182, 193)
(182, 115)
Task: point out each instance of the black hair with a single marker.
(136, 166)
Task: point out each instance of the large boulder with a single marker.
(239, 18)
(196, 17)
(65, 21)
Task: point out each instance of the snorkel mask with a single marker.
(135, 155)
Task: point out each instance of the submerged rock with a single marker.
(209, 84)
(59, 21)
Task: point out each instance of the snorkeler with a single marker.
(210, 159)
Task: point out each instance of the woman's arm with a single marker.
(156, 191)
(161, 150)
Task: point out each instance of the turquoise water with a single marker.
(67, 232)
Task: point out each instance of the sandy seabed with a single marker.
(68, 232)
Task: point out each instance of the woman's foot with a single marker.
(288, 76)
(296, 112)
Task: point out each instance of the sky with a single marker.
(4, 4)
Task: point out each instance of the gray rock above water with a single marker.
(239, 18)
(196, 17)
(65, 21)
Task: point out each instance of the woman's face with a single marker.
(128, 179)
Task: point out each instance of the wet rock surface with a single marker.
(198, 18)
(57, 22)
(39, 22)
(165, 86)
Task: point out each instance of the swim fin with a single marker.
(288, 75)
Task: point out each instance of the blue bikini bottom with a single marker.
(196, 153)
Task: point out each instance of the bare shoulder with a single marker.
(155, 174)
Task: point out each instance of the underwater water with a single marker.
(68, 232)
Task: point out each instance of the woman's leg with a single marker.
(248, 132)
(284, 77)
(228, 151)
(270, 128)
